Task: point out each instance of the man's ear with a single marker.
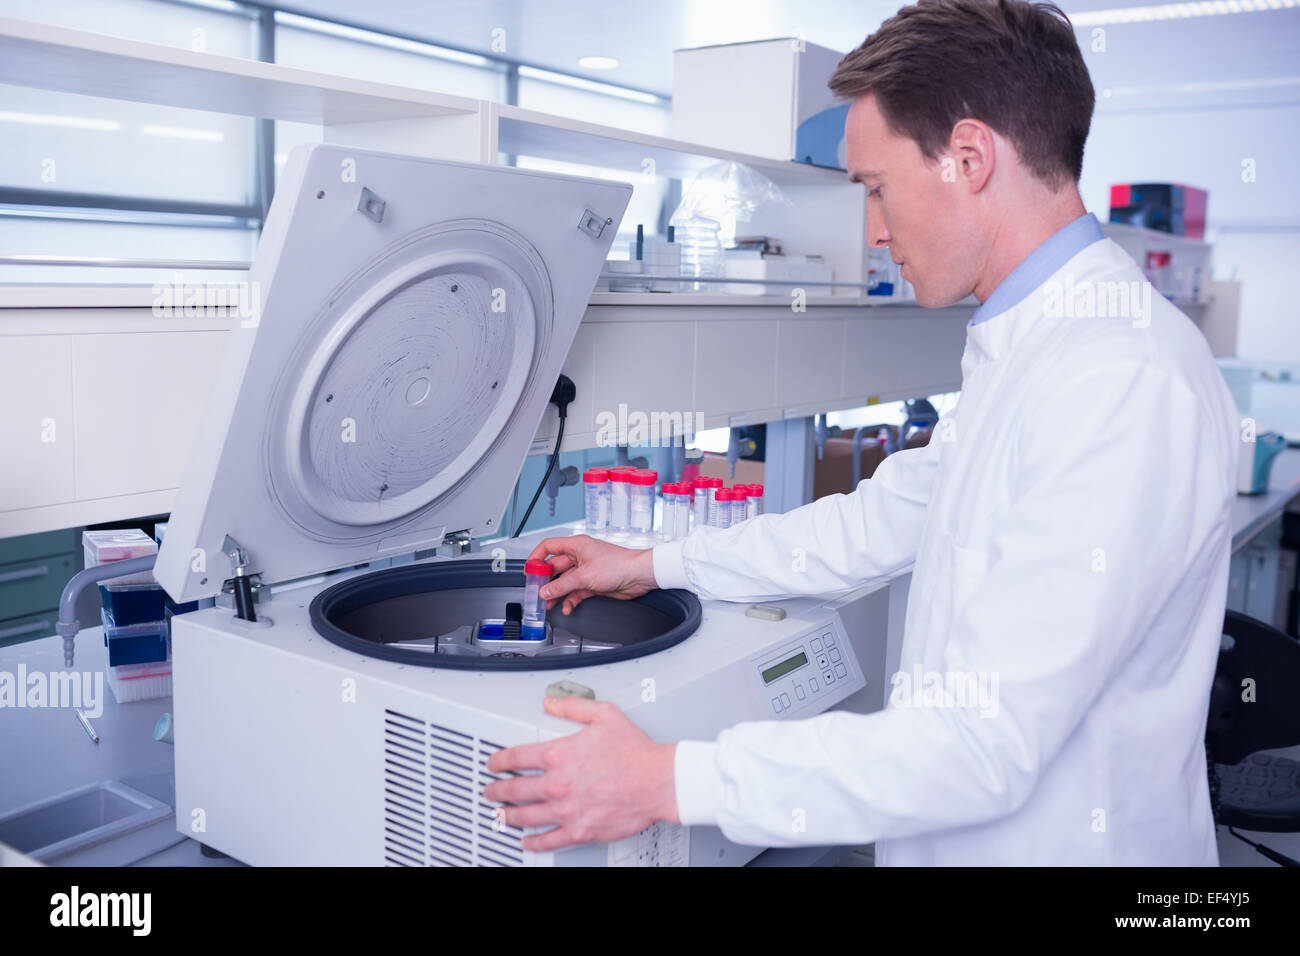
(972, 153)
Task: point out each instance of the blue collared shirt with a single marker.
(1040, 265)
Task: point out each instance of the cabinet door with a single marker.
(34, 584)
(1261, 588)
(29, 628)
(1238, 577)
(36, 428)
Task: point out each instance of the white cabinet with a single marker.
(137, 404)
(37, 426)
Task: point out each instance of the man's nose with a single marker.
(877, 233)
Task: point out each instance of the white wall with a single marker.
(1255, 226)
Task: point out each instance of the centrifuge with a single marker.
(412, 317)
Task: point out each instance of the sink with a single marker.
(68, 822)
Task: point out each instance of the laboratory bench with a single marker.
(1260, 576)
(47, 751)
(1251, 514)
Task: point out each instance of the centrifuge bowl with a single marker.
(403, 613)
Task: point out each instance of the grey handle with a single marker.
(36, 571)
(24, 629)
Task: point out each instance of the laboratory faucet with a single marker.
(560, 478)
(823, 432)
(68, 625)
(621, 458)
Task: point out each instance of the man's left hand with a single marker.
(601, 784)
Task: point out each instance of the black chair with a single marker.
(1249, 789)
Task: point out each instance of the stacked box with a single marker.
(1166, 207)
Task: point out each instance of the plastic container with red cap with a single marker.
(754, 501)
(740, 507)
(533, 624)
(682, 509)
(739, 503)
(721, 508)
(668, 526)
(595, 484)
(701, 491)
(685, 499)
(711, 502)
(738, 498)
(641, 501)
(735, 495)
(618, 498)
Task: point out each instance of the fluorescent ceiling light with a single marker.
(1205, 86)
(225, 6)
(45, 119)
(1176, 11)
(597, 62)
(181, 132)
(577, 82)
(379, 39)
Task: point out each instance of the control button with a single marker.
(812, 682)
(776, 704)
(828, 677)
(822, 662)
(834, 654)
(785, 700)
(799, 692)
(829, 638)
(840, 671)
(817, 645)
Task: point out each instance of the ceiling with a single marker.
(1226, 59)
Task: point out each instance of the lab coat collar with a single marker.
(1037, 267)
(997, 335)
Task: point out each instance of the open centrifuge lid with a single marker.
(409, 320)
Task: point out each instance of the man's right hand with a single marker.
(587, 566)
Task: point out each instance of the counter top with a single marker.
(49, 753)
(1253, 513)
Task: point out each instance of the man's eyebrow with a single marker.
(861, 174)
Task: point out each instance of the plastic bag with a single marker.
(726, 193)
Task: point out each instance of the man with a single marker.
(1067, 527)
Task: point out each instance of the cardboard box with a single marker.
(833, 473)
(748, 471)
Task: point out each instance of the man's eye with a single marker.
(874, 192)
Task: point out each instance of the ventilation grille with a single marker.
(434, 811)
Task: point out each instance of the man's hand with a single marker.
(587, 566)
(603, 783)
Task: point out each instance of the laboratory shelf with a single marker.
(1122, 232)
(529, 133)
(74, 61)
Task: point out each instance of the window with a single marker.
(593, 102)
(83, 176)
(213, 26)
(89, 177)
(344, 51)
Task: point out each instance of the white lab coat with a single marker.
(1068, 529)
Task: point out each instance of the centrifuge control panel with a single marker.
(808, 673)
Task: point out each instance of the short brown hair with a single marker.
(1011, 64)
